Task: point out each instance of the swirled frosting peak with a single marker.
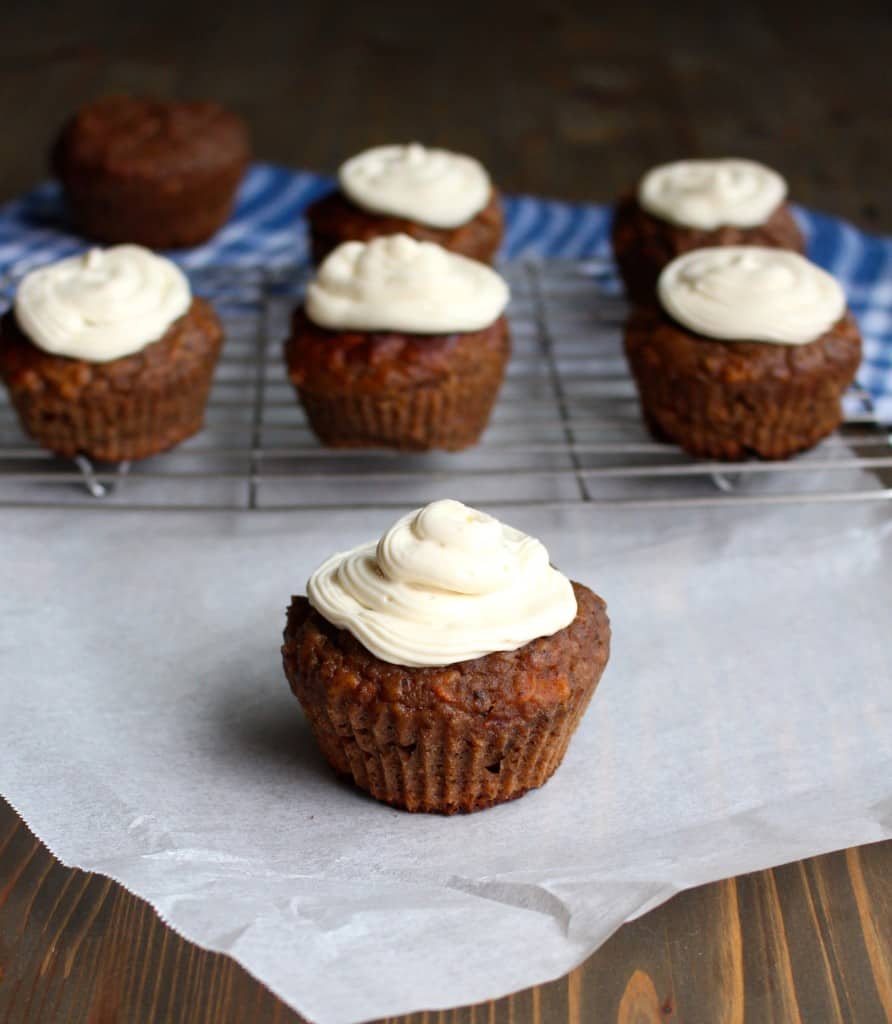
(431, 186)
(751, 293)
(102, 305)
(446, 583)
(394, 283)
(709, 194)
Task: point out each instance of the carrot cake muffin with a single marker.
(748, 353)
(446, 666)
(692, 204)
(399, 344)
(430, 194)
(162, 173)
(108, 354)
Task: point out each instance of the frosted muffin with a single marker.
(748, 353)
(108, 354)
(399, 344)
(162, 173)
(446, 666)
(695, 204)
(429, 194)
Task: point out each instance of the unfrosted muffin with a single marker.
(695, 204)
(748, 353)
(399, 344)
(162, 173)
(109, 355)
(429, 194)
(445, 667)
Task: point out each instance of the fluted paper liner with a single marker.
(115, 426)
(442, 770)
(710, 425)
(440, 415)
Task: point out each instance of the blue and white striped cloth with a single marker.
(266, 229)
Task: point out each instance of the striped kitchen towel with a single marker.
(266, 230)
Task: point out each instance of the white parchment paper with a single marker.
(147, 732)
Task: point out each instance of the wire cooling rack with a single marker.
(566, 429)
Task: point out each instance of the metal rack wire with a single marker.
(566, 429)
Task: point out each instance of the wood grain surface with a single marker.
(571, 99)
(809, 942)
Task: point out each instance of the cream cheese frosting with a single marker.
(710, 194)
(446, 583)
(431, 186)
(103, 304)
(395, 283)
(751, 293)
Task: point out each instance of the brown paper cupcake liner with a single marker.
(425, 760)
(730, 425)
(129, 408)
(112, 212)
(112, 428)
(450, 415)
(731, 400)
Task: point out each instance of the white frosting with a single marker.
(444, 584)
(431, 186)
(751, 293)
(102, 305)
(709, 194)
(395, 283)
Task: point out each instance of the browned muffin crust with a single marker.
(161, 173)
(731, 399)
(128, 408)
(334, 219)
(644, 244)
(392, 389)
(452, 739)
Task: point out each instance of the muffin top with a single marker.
(709, 194)
(396, 283)
(103, 304)
(430, 186)
(751, 293)
(445, 584)
(150, 138)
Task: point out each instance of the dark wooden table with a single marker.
(563, 99)
(808, 943)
